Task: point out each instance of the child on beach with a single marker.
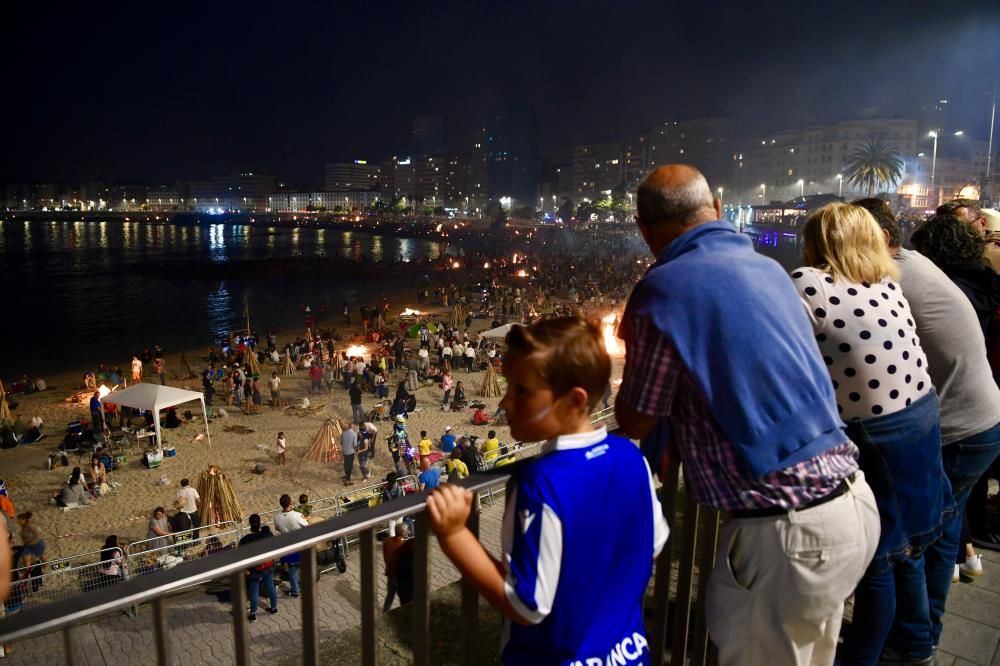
(565, 518)
(282, 448)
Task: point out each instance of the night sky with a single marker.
(152, 92)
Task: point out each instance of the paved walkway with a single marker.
(201, 627)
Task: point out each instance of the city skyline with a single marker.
(191, 94)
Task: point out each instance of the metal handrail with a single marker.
(71, 612)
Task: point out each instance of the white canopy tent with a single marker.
(499, 331)
(154, 397)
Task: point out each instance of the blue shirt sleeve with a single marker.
(534, 559)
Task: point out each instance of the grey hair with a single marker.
(402, 529)
(657, 204)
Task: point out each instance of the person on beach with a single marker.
(98, 477)
(113, 567)
(158, 530)
(446, 383)
(282, 449)
(160, 366)
(190, 503)
(73, 494)
(33, 545)
(136, 369)
(554, 610)
(349, 448)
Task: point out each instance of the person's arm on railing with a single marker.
(448, 508)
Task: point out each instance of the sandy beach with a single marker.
(127, 512)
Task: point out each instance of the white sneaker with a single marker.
(973, 566)
(957, 576)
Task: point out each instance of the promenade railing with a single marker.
(676, 624)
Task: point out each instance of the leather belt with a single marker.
(778, 511)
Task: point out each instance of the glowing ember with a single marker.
(410, 313)
(514, 260)
(455, 264)
(437, 228)
(356, 351)
(611, 343)
(486, 265)
(103, 390)
(522, 273)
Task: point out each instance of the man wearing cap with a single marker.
(447, 440)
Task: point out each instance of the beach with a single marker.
(126, 513)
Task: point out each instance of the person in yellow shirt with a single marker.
(456, 468)
(424, 445)
(491, 447)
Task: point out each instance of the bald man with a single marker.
(722, 365)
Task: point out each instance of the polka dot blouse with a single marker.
(868, 340)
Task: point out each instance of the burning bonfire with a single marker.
(612, 344)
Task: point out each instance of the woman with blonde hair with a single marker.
(869, 343)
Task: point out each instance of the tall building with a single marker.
(597, 169)
(512, 161)
(705, 143)
(399, 175)
(442, 180)
(239, 191)
(816, 156)
(300, 202)
(356, 176)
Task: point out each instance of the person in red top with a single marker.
(316, 377)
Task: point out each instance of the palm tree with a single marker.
(874, 165)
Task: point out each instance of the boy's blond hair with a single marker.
(566, 352)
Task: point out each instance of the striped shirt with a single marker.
(657, 383)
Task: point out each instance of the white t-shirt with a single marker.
(190, 497)
(869, 343)
(281, 445)
(289, 521)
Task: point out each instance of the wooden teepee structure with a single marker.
(4, 407)
(491, 384)
(288, 368)
(253, 365)
(325, 446)
(458, 316)
(219, 502)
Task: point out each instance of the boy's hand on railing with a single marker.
(448, 508)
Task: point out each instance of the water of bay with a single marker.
(76, 293)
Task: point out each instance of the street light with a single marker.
(934, 134)
(763, 192)
(840, 186)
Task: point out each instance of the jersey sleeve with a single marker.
(661, 530)
(534, 559)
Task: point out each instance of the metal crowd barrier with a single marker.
(54, 581)
(149, 555)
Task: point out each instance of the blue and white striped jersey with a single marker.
(580, 532)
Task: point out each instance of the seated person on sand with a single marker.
(459, 402)
(98, 476)
(171, 420)
(480, 417)
(73, 494)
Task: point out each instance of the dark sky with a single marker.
(156, 91)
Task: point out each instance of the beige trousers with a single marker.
(776, 595)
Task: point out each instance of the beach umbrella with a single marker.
(288, 368)
(491, 384)
(4, 407)
(253, 365)
(325, 446)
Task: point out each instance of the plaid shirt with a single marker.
(657, 383)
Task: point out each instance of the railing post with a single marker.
(241, 627)
(310, 607)
(708, 541)
(161, 632)
(664, 564)
(68, 646)
(470, 600)
(369, 617)
(685, 582)
(421, 592)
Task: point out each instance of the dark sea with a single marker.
(78, 293)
